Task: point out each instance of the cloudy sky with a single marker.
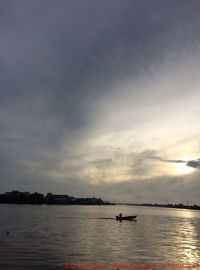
(101, 98)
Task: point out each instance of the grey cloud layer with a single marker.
(59, 60)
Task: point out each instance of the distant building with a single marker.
(59, 199)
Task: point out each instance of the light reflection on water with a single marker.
(47, 237)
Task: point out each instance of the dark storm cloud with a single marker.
(147, 155)
(152, 155)
(138, 159)
(59, 59)
(190, 163)
(168, 160)
(194, 163)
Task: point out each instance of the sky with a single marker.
(101, 98)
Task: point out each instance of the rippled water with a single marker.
(47, 237)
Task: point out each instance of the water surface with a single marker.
(47, 237)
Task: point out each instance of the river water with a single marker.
(49, 237)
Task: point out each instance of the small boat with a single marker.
(126, 218)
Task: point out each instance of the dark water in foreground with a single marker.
(47, 237)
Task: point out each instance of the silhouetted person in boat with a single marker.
(120, 215)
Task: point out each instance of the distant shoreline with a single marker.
(35, 198)
(190, 207)
(17, 197)
(176, 206)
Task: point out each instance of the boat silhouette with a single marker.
(130, 218)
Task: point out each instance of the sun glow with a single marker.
(182, 168)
